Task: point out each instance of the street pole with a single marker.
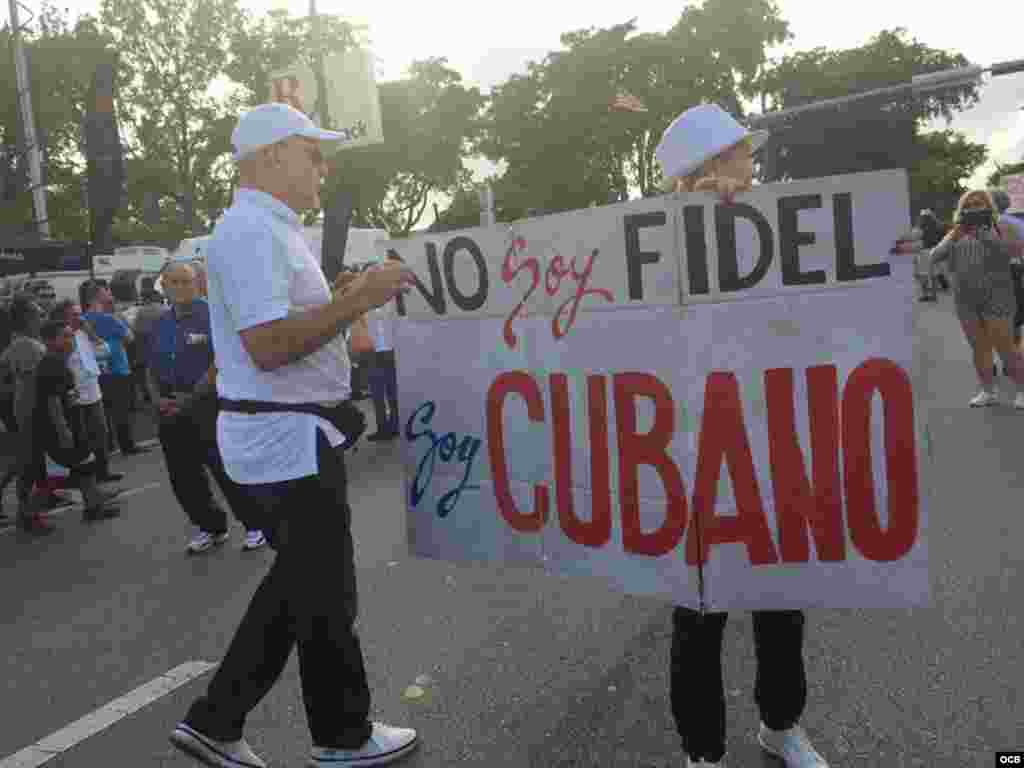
(35, 163)
(919, 84)
(318, 69)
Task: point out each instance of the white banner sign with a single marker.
(1015, 188)
(353, 104)
(673, 395)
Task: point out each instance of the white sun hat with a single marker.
(699, 134)
(270, 123)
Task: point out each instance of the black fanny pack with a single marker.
(348, 419)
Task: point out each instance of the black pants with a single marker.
(384, 388)
(186, 452)
(117, 394)
(307, 522)
(91, 421)
(697, 688)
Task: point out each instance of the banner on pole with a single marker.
(353, 104)
(1015, 188)
(704, 402)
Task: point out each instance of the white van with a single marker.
(360, 248)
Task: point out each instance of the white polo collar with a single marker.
(255, 197)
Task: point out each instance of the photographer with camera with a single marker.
(980, 257)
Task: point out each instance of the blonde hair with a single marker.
(709, 169)
(974, 194)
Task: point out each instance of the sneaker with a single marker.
(204, 541)
(792, 746)
(386, 744)
(702, 763)
(219, 754)
(254, 540)
(983, 399)
(1019, 400)
(110, 477)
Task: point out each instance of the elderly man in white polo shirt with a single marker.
(283, 381)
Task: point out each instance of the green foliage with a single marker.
(938, 180)
(1004, 170)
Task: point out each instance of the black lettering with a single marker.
(436, 298)
(463, 302)
(790, 240)
(729, 279)
(635, 258)
(846, 269)
(696, 249)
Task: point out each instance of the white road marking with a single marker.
(77, 507)
(50, 747)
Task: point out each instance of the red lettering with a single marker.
(797, 504)
(723, 435)
(893, 385)
(505, 384)
(597, 531)
(651, 449)
(509, 270)
(572, 304)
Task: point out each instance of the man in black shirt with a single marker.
(53, 428)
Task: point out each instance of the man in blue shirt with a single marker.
(181, 383)
(116, 384)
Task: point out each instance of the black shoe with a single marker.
(134, 451)
(53, 501)
(110, 477)
(35, 525)
(106, 512)
(379, 437)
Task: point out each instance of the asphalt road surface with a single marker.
(525, 669)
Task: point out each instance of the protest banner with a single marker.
(1015, 188)
(699, 401)
(353, 104)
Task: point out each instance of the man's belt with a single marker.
(344, 415)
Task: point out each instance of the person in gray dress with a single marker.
(979, 257)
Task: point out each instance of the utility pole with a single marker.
(32, 147)
(320, 112)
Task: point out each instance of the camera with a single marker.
(979, 217)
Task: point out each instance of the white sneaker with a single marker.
(386, 744)
(702, 763)
(792, 746)
(1019, 400)
(204, 541)
(983, 399)
(254, 540)
(219, 754)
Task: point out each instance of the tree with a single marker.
(552, 126)
(1004, 170)
(62, 56)
(429, 121)
(938, 180)
(172, 53)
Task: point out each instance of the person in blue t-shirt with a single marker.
(117, 382)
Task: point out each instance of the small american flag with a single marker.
(626, 102)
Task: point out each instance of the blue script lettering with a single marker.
(446, 447)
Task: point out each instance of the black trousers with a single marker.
(307, 521)
(697, 687)
(117, 394)
(384, 388)
(188, 448)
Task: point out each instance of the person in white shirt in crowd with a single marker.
(283, 381)
(383, 377)
(706, 150)
(85, 362)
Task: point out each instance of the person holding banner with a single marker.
(283, 378)
(980, 257)
(706, 150)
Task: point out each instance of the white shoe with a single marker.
(386, 744)
(983, 399)
(1019, 401)
(219, 754)
(254, 540)
(204, 541)
(792, 746)
(702, 763)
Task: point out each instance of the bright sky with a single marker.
(488, 41)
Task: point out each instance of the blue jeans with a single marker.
(384, 388)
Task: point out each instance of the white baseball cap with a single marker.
(699, 134)
(270, 123)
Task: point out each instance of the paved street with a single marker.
(527, 669)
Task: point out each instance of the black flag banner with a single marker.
(104, 156)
